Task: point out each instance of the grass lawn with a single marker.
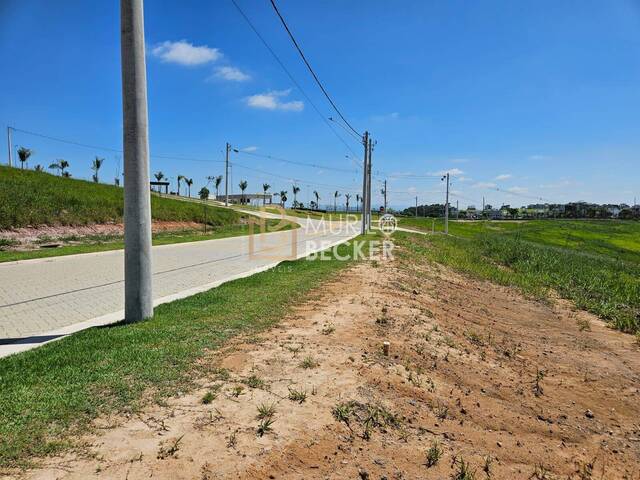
(102, 243)
(52, 393)
(329, 215)
(617, 239)
(38, 198)
(597, 282)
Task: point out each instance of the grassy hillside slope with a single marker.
(38, 198)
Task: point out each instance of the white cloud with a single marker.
(185, 53)
(232, 74)
(249, 149)
(450, 171)
(273, 101)
(465, 179)
(387, 116)
(517, 189)
(484, 185)
(504, 176)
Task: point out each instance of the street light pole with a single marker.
(138, 298)
(226, 177)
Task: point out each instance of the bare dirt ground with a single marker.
(30, 237)
(510, 387)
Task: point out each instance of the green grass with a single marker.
(329, 215)
(38, 198)
(618, 239)
(51, 394)
(102, 243)
(603, 285)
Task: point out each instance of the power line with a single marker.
(293, 162)
(114, 150)
(275, 56)
(315, 77)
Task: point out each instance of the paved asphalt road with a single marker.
(44, 299)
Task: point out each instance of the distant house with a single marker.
(247, 198)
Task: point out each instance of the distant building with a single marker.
(247, 198)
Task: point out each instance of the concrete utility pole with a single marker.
(416, 207)
(10, 146)
(138, 298)
(365, 142)
(446, 207)
(385, 196)
(226, 176)
(369, 183)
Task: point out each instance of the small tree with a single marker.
(358, 198)
(336, 194)
(39, 168)
(265, 189)
(204, 193)
(66, 174)
(347, 197)
(243, 187)
(189, 182)
(116, 181)
(23, 155)
(95, 166)
(218, 181)
(283, 197)
(295, 189)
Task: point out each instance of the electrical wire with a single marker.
(293, 162)
(315, 77)
(284, 68)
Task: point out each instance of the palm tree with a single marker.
(95, 166)
(66, 174)
(180, 178)
(39, 168)
(116, 181)
(358, 198)
(336, 194)
(189, 182)
(317, 195)
(283, 197)
(347, 196)
(60, 165)
(23, 155)
(243, 187)
(159, 176)
(218, 181)
(265, 189)
(296, 189)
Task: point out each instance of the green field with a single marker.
(38, 198)
(595, 264)
(51, 394)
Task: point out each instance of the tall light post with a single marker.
(226, 174)
(10, 146)
(138, 298)
(446, 206)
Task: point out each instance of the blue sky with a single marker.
(537, 99)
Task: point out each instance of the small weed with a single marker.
(449, 342)
(237, 391)
(538, 391)
(342, 411)
(266, 411)
(328, 329)
(475, 339)
(208, 397)
(486, 467)
(264, 426)
(171, 449)
(463, 470)
(309, 362)
(254, 382)
(297, 395)
(584, 325)
(441, 411)
(433, 454)
(294, 349)
(223, 374)
(540, 472)
(232, 441)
